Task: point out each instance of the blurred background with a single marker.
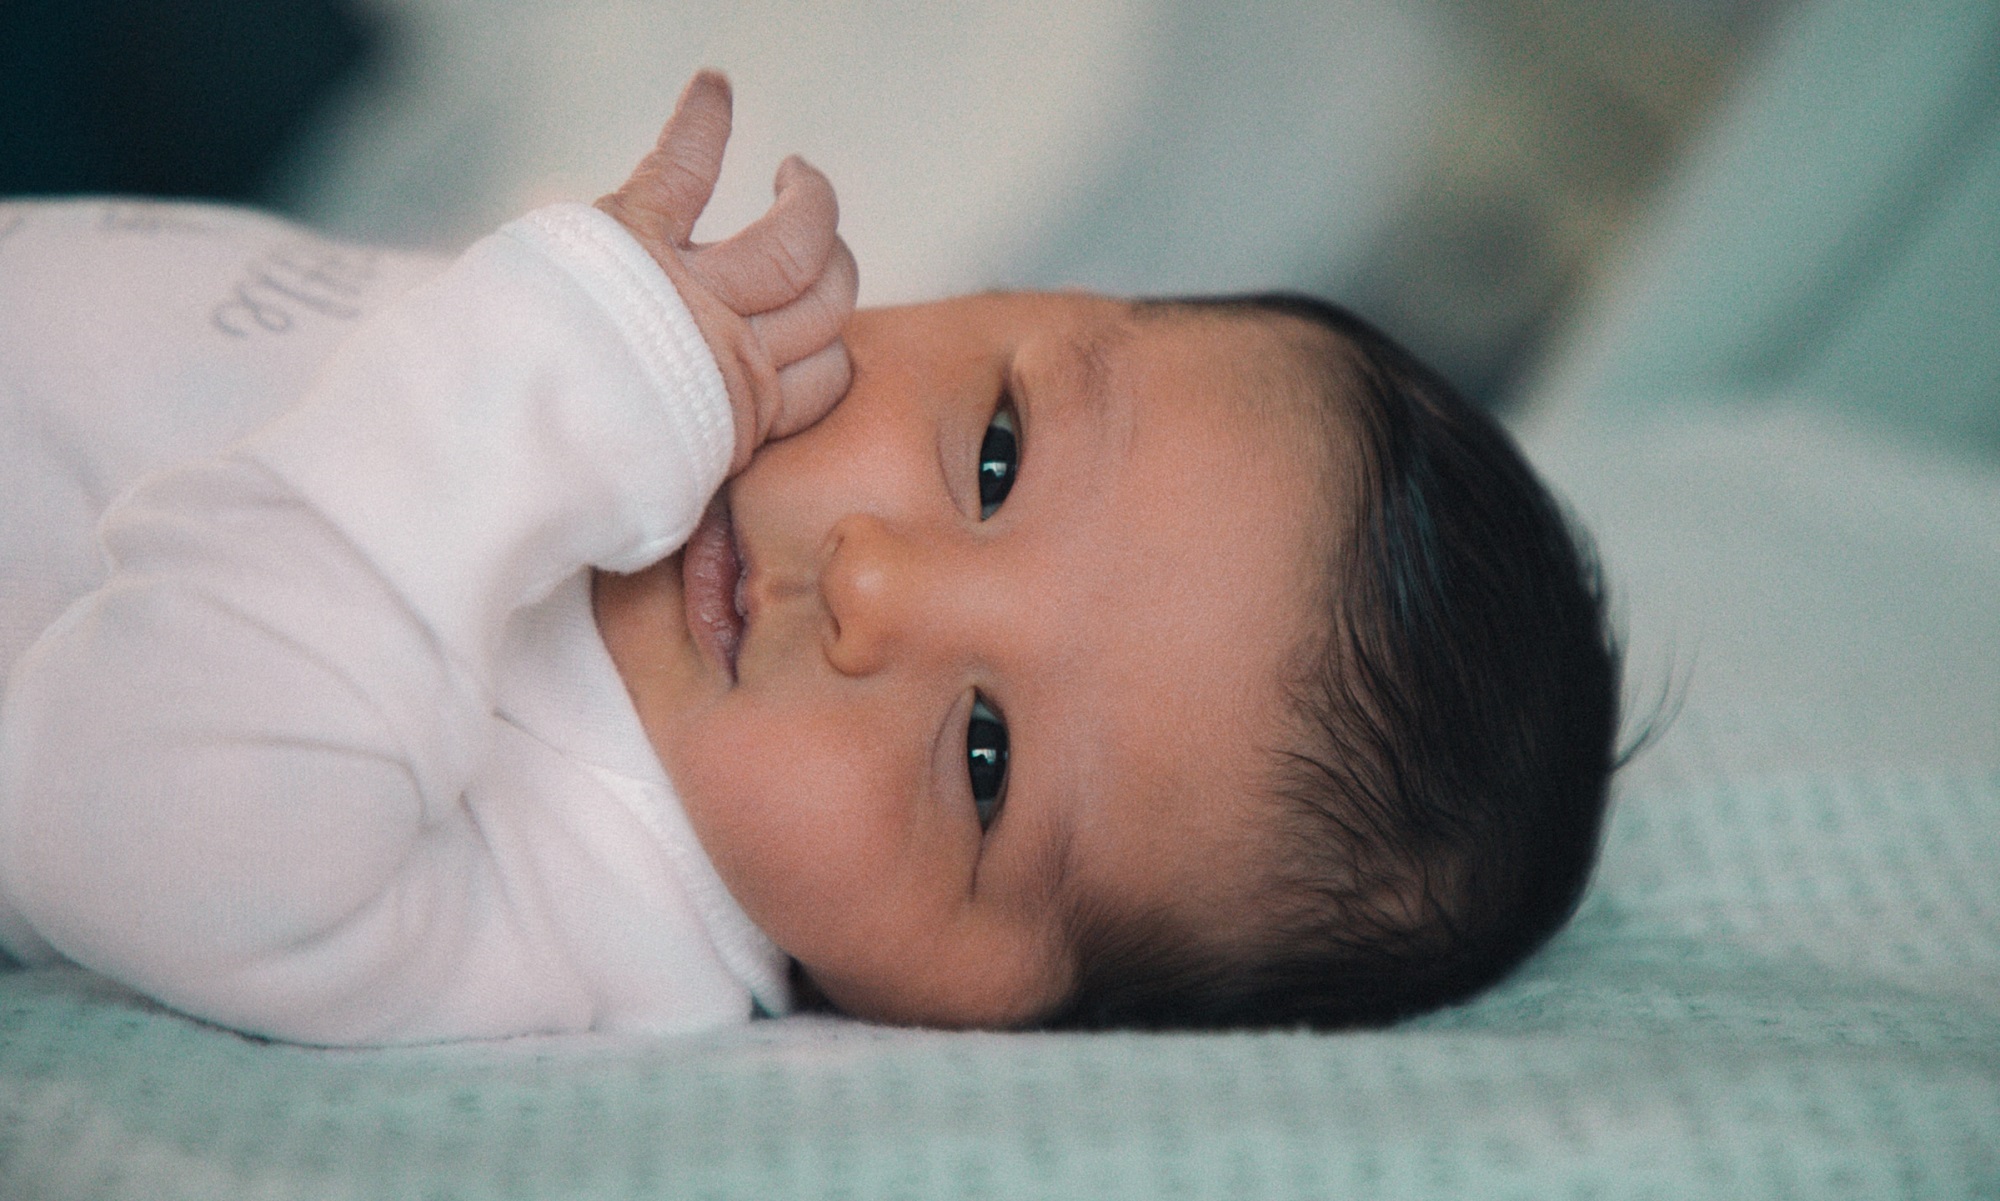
(1457, 170)
(1731, 268)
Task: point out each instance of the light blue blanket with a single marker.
(1691, 1036)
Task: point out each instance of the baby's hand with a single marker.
(770, 300)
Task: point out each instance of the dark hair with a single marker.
(1441, 809)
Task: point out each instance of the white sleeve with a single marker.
(233, 777)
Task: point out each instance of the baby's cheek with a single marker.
(793, 819)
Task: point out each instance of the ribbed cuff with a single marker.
(608, 263)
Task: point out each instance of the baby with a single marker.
(1010, 660)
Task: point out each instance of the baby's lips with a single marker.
(712, 575)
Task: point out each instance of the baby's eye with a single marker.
(999, 459)
(986, 759)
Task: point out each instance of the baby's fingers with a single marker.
(780, 254)
(810, 387)
(672, 184)
(793, 331)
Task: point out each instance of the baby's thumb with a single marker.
(672, 184)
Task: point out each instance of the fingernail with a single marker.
(707, 77)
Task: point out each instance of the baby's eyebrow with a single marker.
(1055, 859)
(1091, 352)
(1077, 378)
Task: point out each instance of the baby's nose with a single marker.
(871, 583)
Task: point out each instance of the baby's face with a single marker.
(1013, 621)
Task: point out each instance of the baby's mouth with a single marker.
(711, 583)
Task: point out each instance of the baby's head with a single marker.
(1169, 663)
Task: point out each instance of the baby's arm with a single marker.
(235, 777)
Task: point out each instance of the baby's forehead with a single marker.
(1284, 368)
(1291, 381)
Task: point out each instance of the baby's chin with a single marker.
(642, 621)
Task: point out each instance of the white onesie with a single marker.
(329, 748)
